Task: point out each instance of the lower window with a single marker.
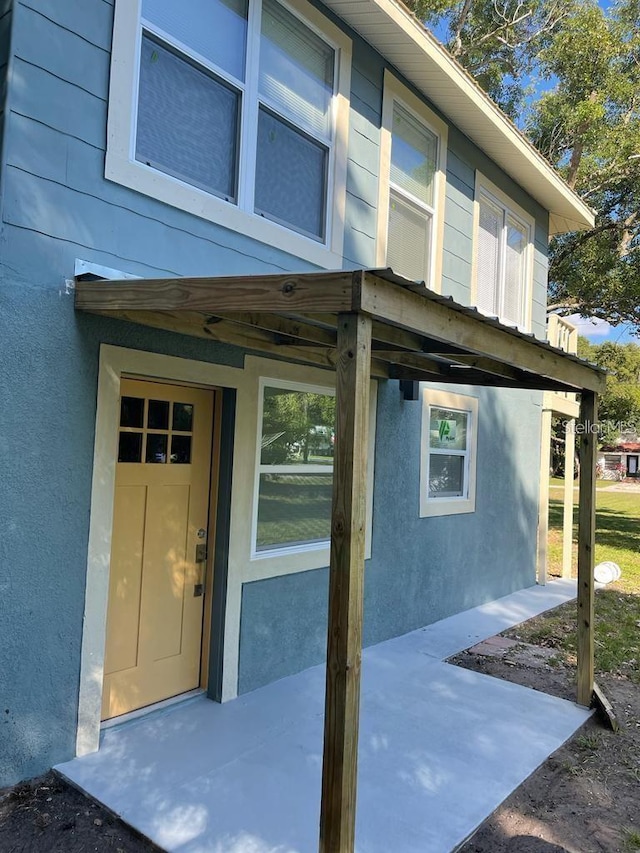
(295, 469)
(448, 453)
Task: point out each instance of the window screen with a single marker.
(187, 121)
(290, 176)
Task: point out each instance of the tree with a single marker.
(496, 40)
(589, 126)
(584, 63)
(619, 406)
(296, 424)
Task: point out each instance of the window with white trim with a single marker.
(502, 259)
(295, 468)
(413, 151)
(238, 112)
(448, 453)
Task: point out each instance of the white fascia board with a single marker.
(403, 40)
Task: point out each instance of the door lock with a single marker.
(201, 553)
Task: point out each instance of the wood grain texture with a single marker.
(346, 586)
(586, 544)
(412, 311)
(274, 293)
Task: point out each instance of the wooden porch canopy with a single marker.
(366, 323)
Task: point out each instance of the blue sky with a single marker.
(599, 331)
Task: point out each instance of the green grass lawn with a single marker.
(617, 631)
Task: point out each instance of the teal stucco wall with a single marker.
(56, 207)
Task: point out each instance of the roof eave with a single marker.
(402, 39)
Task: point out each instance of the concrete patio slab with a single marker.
(440, 748)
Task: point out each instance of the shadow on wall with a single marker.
(424, 569)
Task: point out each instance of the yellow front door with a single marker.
(156, 583)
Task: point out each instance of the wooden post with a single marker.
(586, 543)
(567, 517)
(346, 585)
(543, 505)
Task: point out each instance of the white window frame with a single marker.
(396, 92)
(433, 505)
(484, 187)
(301, 468)
(122, 167)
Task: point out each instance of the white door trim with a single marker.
(114, 362)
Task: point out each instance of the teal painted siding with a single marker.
(56, 207)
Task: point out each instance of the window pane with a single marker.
(182, 417)
(446, 476)
(513, 297)
(413, 155)
(130, 447)
(296, 68)
(216, 29)
(156, 448)
(448, 429)
(297, 427)
(158, 416)
(187, 121)
(131, 411)
(180, 449)
(293, 509)
(408, 239)
(290, 176)
(488, 256)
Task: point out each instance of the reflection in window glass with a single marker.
(182, 417)
(448, 429)
(293, 509)
(446, 476)
(130, 447)
(181, 449)
(156, 448)
(448, 452)
(215, 29)
(297, 427)
(296, 468)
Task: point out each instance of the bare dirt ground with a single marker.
(584, 799)
(49, 816)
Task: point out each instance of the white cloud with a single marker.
(590, 327)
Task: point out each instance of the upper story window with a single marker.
(237, 111)
(412, 183)
(503, 265)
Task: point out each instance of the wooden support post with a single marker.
(543, 504)
(567, 518)
(346, 584)
(586, 543)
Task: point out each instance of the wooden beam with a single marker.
(414, 360)
(274, 293)
(587, 431)
(424, 315)
(567, 504)
(543, 498)
(346, 584)
(469, 377)
(295, 329)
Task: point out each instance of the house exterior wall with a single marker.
(56, 207)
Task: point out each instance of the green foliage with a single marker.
(296, 425)
(620, 404)
(586, 121)
(496, 40)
